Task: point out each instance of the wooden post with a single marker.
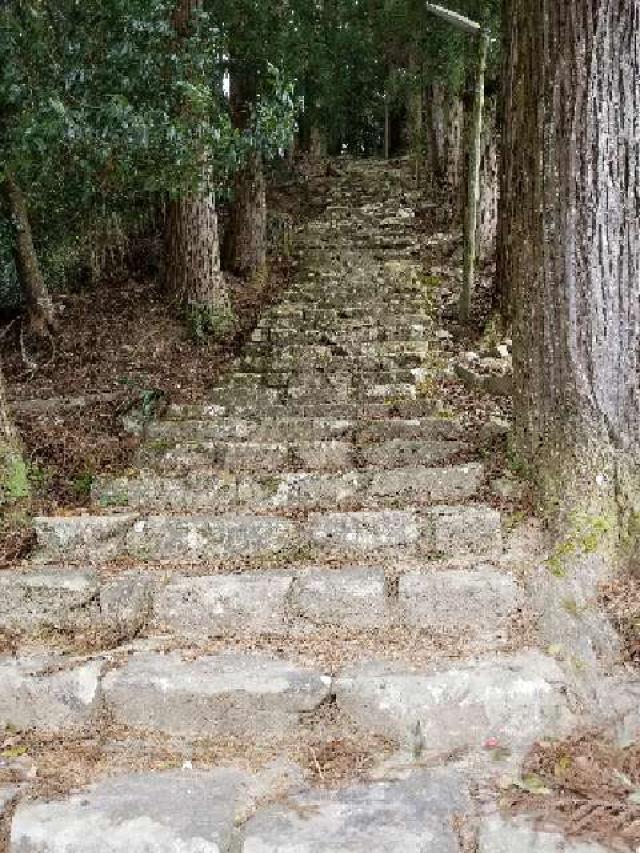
(475, 152)
(387, 128)
(473, 197)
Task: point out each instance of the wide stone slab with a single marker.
(352, 598)
(47, 598)
(86, 537)
(228, 694)
(463, 530)
(175, 811)
(413, 816)
(516, 698)
(480, 602)
(502, 835)
(457, 483)
(48, 692)
(363, 531)
(199, 538)
(218, 605)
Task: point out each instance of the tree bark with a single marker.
(245, 252)
(42, 318)
(575, 250)
(193, 279)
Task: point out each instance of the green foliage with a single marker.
(207, 325)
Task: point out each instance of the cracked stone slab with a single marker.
(227, 694)
(516, 698)
(48, 692)
(219, 605)
(209, 537)
(46, 598)
(176, 811)
(481, 602)
(353, 598)
(501, 835)
(412, 816)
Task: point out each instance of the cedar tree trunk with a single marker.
(575, 251)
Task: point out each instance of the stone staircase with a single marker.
(306, 566)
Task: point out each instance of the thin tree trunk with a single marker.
(575, 250)
(193, 278)
(42, 318)
(507, 136)
(245, 252)
(471, 218)
(415, 128)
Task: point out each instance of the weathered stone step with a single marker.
(515, 699)
(207, 422)
(437, 531)
(303, 456)
(391, 352)
(309, 377)
(394, 410)
(217, 492)
(367, 316)
(473, 606)
(342, 334)
(205, 811)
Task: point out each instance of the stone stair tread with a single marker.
(204, 422)
(337, 454)
(211, 490)
(439, 530)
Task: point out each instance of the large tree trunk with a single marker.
(193, 278)
(575, 249)
(42, 318)
(245, 252)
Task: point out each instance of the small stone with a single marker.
(164, 812)
(125, 603)
(48, 692)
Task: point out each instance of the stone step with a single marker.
(205, 811)
(307, 318)
(204, 422)
(302, 456)
(514, 698)
(327, 390)
(389, 411)
(310, 377)
(436, 531)
(343, 334)
(473, 605)
(215, 492)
